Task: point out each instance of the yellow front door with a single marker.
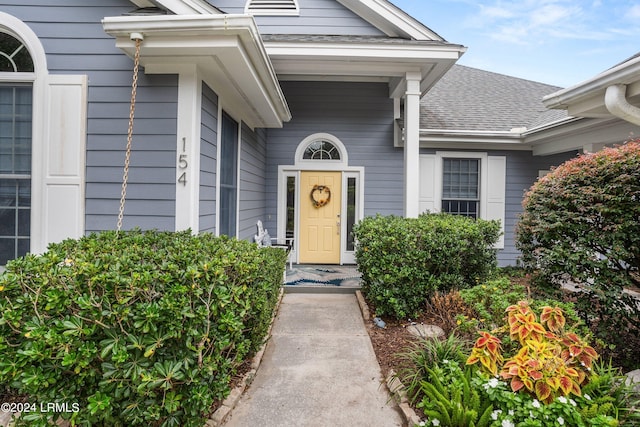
(320, 207)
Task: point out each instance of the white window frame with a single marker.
(58, 143)
(492, 184)
(219, 165)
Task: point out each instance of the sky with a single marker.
(559, 42)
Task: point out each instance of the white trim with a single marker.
(181, 7)
(390, 19)
(188, 143)
(349, 257)
(222, 110)
(39, 77)
(228, 50)
(322, 164)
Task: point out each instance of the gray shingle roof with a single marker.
(471, 99)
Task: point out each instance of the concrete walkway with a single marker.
(319, 369)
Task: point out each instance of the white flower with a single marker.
(562, 399)
(531, 415)
(435, 422)
(535, 403)
(511, 412)
(507, 423)
(492, 383)
(422, 424)
(494, 414)
(561, 421)
(573, 402)
(586, 396)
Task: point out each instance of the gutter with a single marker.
(624, 73)
(615, 99)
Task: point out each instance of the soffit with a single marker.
(226, 49)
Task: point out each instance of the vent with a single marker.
(272, 7)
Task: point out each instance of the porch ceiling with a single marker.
(226, 49)
(362, 59)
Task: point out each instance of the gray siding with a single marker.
(253, 167)
(361, 116)
(208, 159)
(327, 17)
(75, 43)
(522, 172)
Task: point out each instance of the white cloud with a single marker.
(634, 12)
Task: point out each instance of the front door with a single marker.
(320, 209)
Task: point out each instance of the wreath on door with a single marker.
(320, 195)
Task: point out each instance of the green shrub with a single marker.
(581, 224)
(404, 260)
(136, 328)
(425, 354)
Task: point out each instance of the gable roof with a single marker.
(471, 99)
(390, 19)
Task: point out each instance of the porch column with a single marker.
(412, 145)
(188, 150)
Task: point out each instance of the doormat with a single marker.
(343, 276)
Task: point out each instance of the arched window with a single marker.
(322, 147)
(14, 56)
(321, 150)
(16, 106)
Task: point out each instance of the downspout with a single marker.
(615, 99)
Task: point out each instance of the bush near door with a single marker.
(405, 260)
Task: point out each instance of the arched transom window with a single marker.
(321, 150)
(14, 56)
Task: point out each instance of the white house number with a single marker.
(183, 164)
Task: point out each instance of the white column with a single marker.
(188, 150)
(412, 146)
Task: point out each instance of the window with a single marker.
(461, 186)
(272, 7)
(16, 106)
(14, 56)
(228, 176)
(291, 207)
(351, 212)
(321, 150)
(464, 183)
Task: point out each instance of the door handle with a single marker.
(338, 227)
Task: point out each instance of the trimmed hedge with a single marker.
(135, 328)
(405, 260)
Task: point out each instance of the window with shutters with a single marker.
(272, 7)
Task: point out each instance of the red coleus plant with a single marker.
(549, 363)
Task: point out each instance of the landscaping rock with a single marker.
(634, 378)
(426, 331)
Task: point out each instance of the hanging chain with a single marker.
(132, 109)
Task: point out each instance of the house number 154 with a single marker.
(183, 164)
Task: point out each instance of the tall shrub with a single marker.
(136, 328)
(581, 223)
(405, 260)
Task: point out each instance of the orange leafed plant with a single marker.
(487, 352)
(549, 363)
